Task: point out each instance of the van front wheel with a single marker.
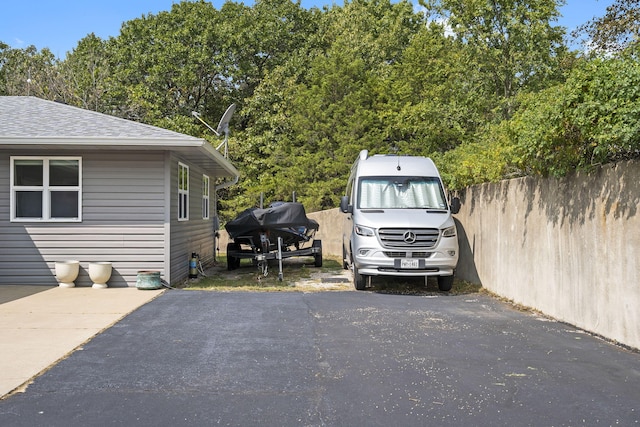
(345, 264)
(359, 280)
(445, 283)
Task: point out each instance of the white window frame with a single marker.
(205, 196)
(183, 192)
(45, 188)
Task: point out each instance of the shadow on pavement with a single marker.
(13, 292)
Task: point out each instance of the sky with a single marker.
(60, 24)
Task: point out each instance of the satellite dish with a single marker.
(223, 127)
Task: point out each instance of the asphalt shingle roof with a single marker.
(30, 123)
(33, 118)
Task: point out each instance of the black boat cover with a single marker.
(287, 215)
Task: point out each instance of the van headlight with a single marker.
(449, 231)
(363, 231)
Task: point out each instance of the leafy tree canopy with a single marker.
(617, 30)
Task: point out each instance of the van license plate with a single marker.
(409, 263)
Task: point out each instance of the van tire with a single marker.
(445, 283)
(359, 280)
(345, 263)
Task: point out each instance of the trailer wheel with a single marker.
(445, 283)
(359, 280)
(232, 262)
(317, 257)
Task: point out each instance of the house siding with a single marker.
(196, 234)
(123, 222)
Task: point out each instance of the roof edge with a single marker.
(224, 162)
(100, 141)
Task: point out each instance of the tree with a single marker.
(487, 89)
(84, 73)
(261, 37)
(437, 93)
(269, 46)
(30, 72)
(513, 41)
(617, 30)
(4, 51)
(169, 64)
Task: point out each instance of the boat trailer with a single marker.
(278, 232)
(261, 259)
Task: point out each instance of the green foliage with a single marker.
(513, 41)
(29, 72)
(168, 64)
(605, 102)
(616, 31)
(84, 74)
(489, 159)
(435, 94)
(261, 37)
(591, 119)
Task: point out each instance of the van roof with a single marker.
(387, 165)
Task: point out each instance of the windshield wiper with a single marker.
(436, 210)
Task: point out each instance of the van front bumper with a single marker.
(428, 262)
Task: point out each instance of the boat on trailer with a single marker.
(282, 230)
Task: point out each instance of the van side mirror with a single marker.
(344, 205)
(455, 205)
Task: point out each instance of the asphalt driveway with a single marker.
(336, 359)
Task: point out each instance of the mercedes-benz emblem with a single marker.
(410, 237)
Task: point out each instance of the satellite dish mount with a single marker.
(223, 127)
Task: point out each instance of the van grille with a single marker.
(403, 254)
(404, 238)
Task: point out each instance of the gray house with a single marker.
(76, 184)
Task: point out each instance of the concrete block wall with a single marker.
(330, 231)
(568, 247)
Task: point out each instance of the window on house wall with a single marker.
(46, 189)
(183, 192)
(205, 197)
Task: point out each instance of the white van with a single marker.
(398, 221)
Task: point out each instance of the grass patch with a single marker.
(300, 275)
(250, 278)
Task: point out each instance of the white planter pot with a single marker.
(67, 272)
(99, 273)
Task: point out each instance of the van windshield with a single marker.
(395, 192)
